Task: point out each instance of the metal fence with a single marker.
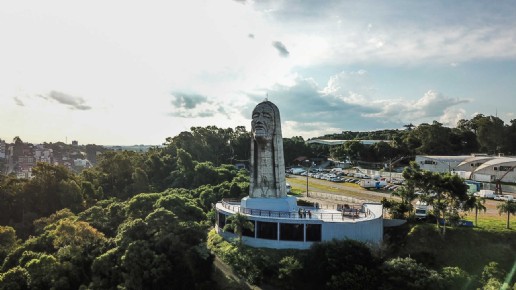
(484, 185)
(350, 212)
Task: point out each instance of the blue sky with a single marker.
(127, 72)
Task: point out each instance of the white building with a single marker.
(482, 168)
(297, 230)
(472, 163)
(499, 168)
(441, 164)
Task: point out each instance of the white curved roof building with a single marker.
(472, 163)
(497, 168)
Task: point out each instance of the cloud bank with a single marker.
(349, 102)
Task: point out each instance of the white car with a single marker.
(505, 197)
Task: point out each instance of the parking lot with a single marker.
(350, 188)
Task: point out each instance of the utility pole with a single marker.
(390, 166)
(308, 172)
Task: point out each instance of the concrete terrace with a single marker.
(351, 214)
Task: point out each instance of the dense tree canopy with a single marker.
(139, 220)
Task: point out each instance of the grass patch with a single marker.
(493, 223)
(299, 185)
(297, 192)
(468, 248)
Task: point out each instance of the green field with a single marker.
(493, 222)
(299, 188)
(469, 248)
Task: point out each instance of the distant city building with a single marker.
(75, 143)
(19, 158)
(81, 163)
(2, 149)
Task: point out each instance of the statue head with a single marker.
(267, 157)
(263, 122)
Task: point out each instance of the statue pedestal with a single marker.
(286, 204)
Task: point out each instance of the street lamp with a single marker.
(390, 166)
(308, 172)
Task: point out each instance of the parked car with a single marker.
(397, 181)
(486, 193)
(504, 197)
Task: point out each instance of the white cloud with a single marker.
(350, 102)
(307, 129)
(431, 105)
(451, 116)
(378, 32)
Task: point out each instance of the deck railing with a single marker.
(345, 212)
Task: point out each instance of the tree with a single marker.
(341, 264)
(115, 173)
(509, 146)
(42, 271)
(455, 278)
(140, 181)
(508, 207)
(354, 150)
(237, 223)
(492, 271)
(475, 203)
(12, 203)
(434, 138)
(53, 187)
(70, 195)
(8, 241)
(409, 126)
(444, 192)
(290, 269)
(489, 131)
(407, 273)
(16, 278)
(407, 194)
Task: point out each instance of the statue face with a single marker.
(262, 125)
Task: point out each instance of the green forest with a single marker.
(143, 220)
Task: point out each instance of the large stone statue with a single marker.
(267, 161)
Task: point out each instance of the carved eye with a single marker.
(267, 115)
(256, 115)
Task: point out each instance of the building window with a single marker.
(291, 232)
(430, 162)
(313, 232)
(221, 220)
(267, 230)
(506, 168)
(247, 232)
